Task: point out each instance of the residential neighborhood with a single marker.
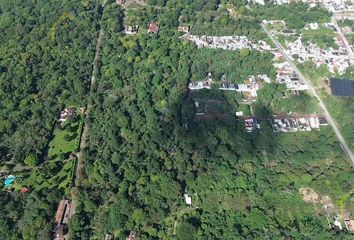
(227, 42)
(334, 6)
(337, 60)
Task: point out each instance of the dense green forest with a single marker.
(45, 63)
(46, 54)
(144, 152)
(235, 66)
(142, 159)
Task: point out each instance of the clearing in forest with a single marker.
(309, 195)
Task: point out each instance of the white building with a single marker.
(188, 200)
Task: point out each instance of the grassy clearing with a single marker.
(57, 171)
(323, 37)
(341, 108)
(66, 138)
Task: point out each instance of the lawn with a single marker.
(56, 172)
(65, 138)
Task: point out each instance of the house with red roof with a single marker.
(153, 27)
(120, 2)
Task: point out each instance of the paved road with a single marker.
(341, 34)
(313, 92)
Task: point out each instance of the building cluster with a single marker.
(153, 27)
(248, 89)
(296, 124)
(62, 217)
(204, 84)
(287, 76)
(331, 5)
(336, 60)
(285, 124)
(227, 42)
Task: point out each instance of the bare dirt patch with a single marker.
(309, 195)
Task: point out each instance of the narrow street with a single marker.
(313, 92)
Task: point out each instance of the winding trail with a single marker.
(313, 92)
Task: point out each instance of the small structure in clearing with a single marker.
(108, 236)
(188, 200)
(24, 190)
(184, 28)
(66, 114)
(153, 27)
(130, 29)
(132, 236)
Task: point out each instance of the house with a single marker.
(228, 86)
(314, 122)
(288, 32)
(301, 124)
(59, 233)
(62, 219)
(284, 125)
(63, 212)
(184, 28)
(313, 26)
(239, 114)
(323, 121)
(132, 236)
(120, 2)
(337, 224)
(130, 29)
(199, 108)
(108, 236)
(251, 124)
(188, 200)
(153, 27)
(349, 224)
(24, 190)
(250, 88)
(201, 84)
(66, 114)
